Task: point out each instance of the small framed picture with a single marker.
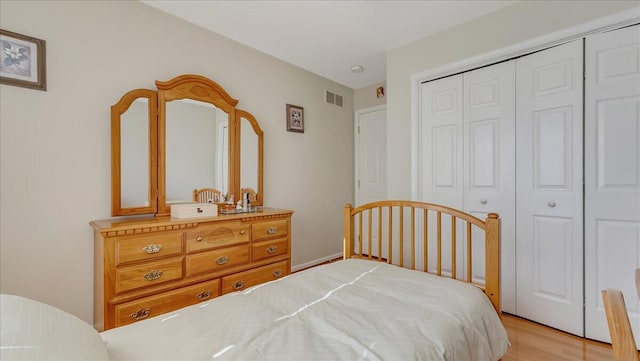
(22, 61)
(295, 118)
(380, 92)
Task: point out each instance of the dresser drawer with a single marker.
(270, 248)
(218, 259)
(270, 229)
(246, 279)
(156, 305)
(219, 235)
(148, 274)
(149, 247)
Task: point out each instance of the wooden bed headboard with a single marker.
(377, 230)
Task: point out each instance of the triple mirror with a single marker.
(187, 135)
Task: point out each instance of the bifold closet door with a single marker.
(441, 140)
(489, 162)
(612, 174)
(441, 163)
(467, 159)
(549, 261)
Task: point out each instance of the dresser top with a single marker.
(152, 223)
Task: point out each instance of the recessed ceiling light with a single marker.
(357, 68)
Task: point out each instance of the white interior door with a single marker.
(371, 155)
(612, 172)
(489, 163)
(371, 166)
(549, 264)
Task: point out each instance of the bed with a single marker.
(408, 288)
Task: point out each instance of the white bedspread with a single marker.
(347, 310)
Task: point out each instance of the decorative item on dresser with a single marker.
(148, 266)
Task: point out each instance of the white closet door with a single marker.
(549, 187)
(612, 171)
(441, 126)
(489, 162)
(441, 163)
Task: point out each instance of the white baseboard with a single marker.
(315, 262)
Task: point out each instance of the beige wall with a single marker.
(505, 27)
(367, 97)
(55, 148)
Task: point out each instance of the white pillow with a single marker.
(30, 330)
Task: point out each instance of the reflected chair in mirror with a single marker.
(622, 340)
(206, 195)
(252, 193)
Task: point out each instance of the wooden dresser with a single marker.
(144, 267)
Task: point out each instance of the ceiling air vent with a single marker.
(332, 98)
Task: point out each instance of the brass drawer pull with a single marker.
(152, 248)
(272, 249)
(204, 295)
(222, 260)
(238, 285)
(272, 230)
(199, 239)
(243, 231)
(141, 314)
(153, 275)
(277, 273)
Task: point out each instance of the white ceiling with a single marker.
(329, 37)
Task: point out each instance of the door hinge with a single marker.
(358, 183)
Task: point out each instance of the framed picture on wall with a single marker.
(295, 118)
(22, 61)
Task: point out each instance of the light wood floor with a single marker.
(531, 341)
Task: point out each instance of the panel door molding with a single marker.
(467, 132)
(489, 160)
(442, 160)
(441, 132)
(612, 174)
(549, 187)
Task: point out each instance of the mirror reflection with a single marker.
(197, 149)
(248, 156)
(187, 135)
(134, 150)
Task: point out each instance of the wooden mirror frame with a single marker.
(187, 86)
(117, 111)
(256, 128)
(198, 88)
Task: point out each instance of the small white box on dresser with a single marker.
(194, 210)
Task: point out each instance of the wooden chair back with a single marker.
(252, 193)
(206, 195)
(622, 340)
